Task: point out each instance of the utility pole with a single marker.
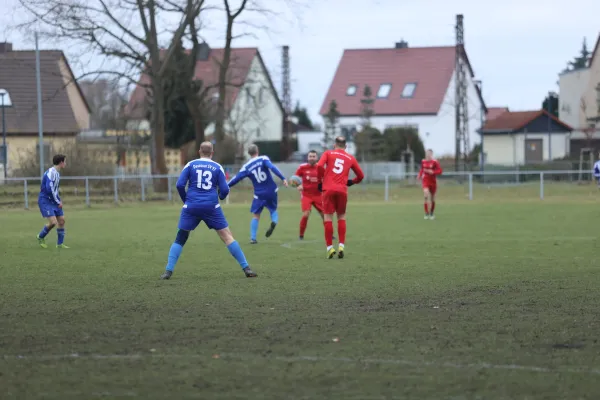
(461, 99)
(286, 96)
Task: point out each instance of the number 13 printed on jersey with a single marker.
(204, 179)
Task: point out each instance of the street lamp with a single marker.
(5, 102)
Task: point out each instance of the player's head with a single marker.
(253, 150)
(59, 161)
(206, 150)
(429, 154)
(312, 157)
(340, 142)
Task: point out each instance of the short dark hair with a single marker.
(57, 159)
(340, 141)
(430, 150)
(253, 150)
(312, 151)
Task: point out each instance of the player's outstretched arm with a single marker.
(237, 178)
(275, 170)
(360, 175)
(223, 186)
(182, 182)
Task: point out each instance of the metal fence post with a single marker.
(387, 188)
(541, 186)
(143, 189)
(471, 186)
(170, 194)
(116, 185)
(26, 194)
(87, 191)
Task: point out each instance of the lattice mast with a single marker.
(461, 100)
(286, 100)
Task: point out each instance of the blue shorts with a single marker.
(261, 202)
(49, 209)
(212, 217)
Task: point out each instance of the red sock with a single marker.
(328, 232)
(426, 208)
(303, 223)
(342, 230)
(432, 206)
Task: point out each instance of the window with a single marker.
(351, 91)
(384, 90)
(348, 132)
(409, 90)
(3, 154)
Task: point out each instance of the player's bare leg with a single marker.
(236, 251)
(304, 223)
(426, 203)
(41, 237)
(328, 223)
(60, 231)
(432, 207)
(341, 218)
(254, 228)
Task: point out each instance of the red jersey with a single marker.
(334, 167)
(310, 179)
(430, 177)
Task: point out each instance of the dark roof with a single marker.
(494, 112)
(513, 121)
(431, 68)
(208, 72)
(17, 76)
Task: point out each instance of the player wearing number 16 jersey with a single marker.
(206, 185)
(334, 167)
(258, 170)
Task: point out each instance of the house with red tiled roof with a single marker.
(524, 137)
(254, 111)
(411, 86)
(579, 103)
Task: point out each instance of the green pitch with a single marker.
(489, 301)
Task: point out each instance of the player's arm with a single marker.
(182, 182)
(360, 175)
(299, 172)
(223, 186)
(421, 172)
(597, 170)
(321, 165)
(238, 177)
(437, 169)
(275, 170)
(53, 186)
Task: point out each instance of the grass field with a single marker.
(491, 300)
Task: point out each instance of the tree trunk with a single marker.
(158, 135)
(223, 68)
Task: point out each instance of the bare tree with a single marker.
(106, 100)
(127, 31)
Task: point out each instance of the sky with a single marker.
(517, 48)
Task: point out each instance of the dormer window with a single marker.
(351, 91)
(384, 90)
(409, 90)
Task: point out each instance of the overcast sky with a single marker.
(517, 48)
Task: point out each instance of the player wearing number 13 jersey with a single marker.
(206, 185)
(258, 169)
(334, 167)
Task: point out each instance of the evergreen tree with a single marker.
(367, 107)
(302, 114)
(399, 139)
(581, 61)
(550, 104)
(331, 121)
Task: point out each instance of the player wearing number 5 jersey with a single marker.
(334, 167)
(258, 169)
(206, 184)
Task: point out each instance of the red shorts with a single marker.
(308, 201)
(432, 186)
(334, 202)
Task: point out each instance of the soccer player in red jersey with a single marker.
(309, 190)
(430, 169)
(334, 167)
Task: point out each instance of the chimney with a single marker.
(5, 47)
(203, 51)
(402, 45)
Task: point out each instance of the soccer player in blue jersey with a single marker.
(206, 184)
(259, 169)
(50, 203)
(597, 171)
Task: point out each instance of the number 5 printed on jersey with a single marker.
(204, 179)
(338, 166)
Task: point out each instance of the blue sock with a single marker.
(274, 217)
(253, 228)
(45, 230)
(61, 235)
(237, 253)
(174, 254)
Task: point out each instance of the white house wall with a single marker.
(437, 132)
(510, 149)
(572, 88)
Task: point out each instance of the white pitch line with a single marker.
(317, 359)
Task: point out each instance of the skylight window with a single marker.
(351, 91)
(409, 90)
(384, 90)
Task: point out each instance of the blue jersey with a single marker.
(597, 170)
(49, 187)
(206, 184)
(259, 171)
